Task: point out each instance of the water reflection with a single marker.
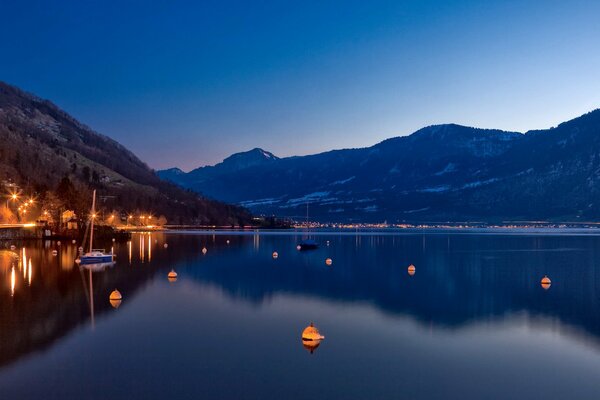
(469, 287)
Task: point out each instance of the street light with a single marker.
(12, 197)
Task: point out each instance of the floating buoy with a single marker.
(172, 276)
(115, 298)
(411, 270)
(311, 333)
(328, 261)
(115, 295)
(298, 247)
(328, 243)
(77, 261)
(58, 243)
(80, 249)
(12, 247)
(546, 282)
(73, 241)
(54, 252)
(165, 245)
(275, 254)
(113, 239)
(204, 250)
(227, 241)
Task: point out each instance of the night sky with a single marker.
(188, 83)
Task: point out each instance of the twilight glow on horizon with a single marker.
(188, 83)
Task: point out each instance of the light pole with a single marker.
(12, 197)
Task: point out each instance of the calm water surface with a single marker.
(473, 321)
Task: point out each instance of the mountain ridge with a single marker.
(441, 172)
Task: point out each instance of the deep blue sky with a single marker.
(188, 83)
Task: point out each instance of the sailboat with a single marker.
(307, 244)
(95, 256)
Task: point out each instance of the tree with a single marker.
(86, 173)
(66, 192)
(7, 216)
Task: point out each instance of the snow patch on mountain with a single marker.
(451, 167)
(342, 181)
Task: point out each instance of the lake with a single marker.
(472, 322)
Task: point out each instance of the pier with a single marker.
(20, 231)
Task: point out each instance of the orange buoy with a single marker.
(172, 276)
(411, 270)
(275, 254)
(328, 261)
(115, 295)
(311, 333)
(115, 298)
(546, 282)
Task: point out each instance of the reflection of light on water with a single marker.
(13, 279)
(29, 273)
(256, 241)
(129, 245)
(142, 248)
(23, 264)
(149, 247)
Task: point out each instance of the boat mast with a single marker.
(92, 217)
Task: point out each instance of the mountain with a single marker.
(439, 173)
(231, 165)
(49, 154)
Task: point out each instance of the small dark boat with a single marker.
(308, 244)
